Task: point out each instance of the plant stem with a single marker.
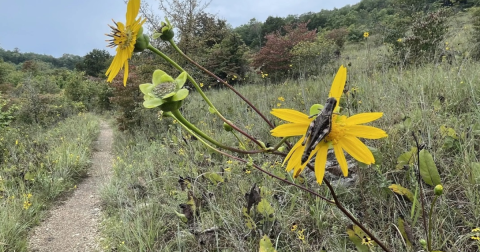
(254, 165)
(223, 82)
(350, 216)
(419, 178)
(429, 240)
(199, 90)
(177, 115)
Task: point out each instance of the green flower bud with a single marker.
(438, 190)
(423, 243)
(227, 127)
(142, 41)
(165, 32)
(281, 149)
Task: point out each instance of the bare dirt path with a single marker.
(73, 225)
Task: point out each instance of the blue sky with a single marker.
(55, 27)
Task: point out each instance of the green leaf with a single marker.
(265, 209)
(400, 190)
(357, 241)
(145, 88)
(405, 231)
(29, 176)
(152, 103)
(215, 178)
(182, 217)
(157, 76)
(180, 95)
(266, 245)
(428, 169)
(315, 109)
(406, 159)
(181, 79)
(248, 220)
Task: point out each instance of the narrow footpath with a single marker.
(74, 224)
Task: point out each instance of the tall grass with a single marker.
(39, 165)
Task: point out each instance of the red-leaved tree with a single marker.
(275, 56)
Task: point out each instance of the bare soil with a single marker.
(73, 225)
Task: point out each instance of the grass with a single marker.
(38, 166)
(156, 175)
(145, 193)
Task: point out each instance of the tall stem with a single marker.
(199, 90)
(350, 216)
(223, 82)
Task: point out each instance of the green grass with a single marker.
(38, 166)
(144, 195)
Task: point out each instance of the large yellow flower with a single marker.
(124, 38)
(343, 136)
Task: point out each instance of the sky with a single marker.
(55, 27)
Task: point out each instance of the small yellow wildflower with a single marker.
(399, 40)
(229, 162)
(366, 34)
(367, 241)
(476, 230)
(279, 104)
(201, 84)
(26, 204)
(300, 234)
(16, 142)
(294, 227)
(281, 98)
(247, 171)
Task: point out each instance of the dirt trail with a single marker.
(73, 225)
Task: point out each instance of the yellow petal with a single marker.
(363, 118)
(290, 129)
(291, 115)
(342, 161)
(320, 162)
(295, 160)
(364, 131)
(357, 149)
(338, 84)
(132, 11)
(291, 152)
(125, 74)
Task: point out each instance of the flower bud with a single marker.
(142, 41)
(165, 32)
(438, 190)
(423, 243)
(227, 127)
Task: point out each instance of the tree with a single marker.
(95, 63)
(275, 56)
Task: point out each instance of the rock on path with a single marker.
(73, 225)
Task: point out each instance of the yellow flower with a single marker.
(201, 84)
(366, 34)
(281, 98)
(343, 135)
(399, 40)
(367, 241)
(26, 205)
(124, 38)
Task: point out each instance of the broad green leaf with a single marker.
(405, 231)
(400, 190)
(265, 209)
(357, 241)
(428, 169)
(266, 245)
(406, 159)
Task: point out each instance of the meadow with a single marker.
(170, 192)
(161, 176)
